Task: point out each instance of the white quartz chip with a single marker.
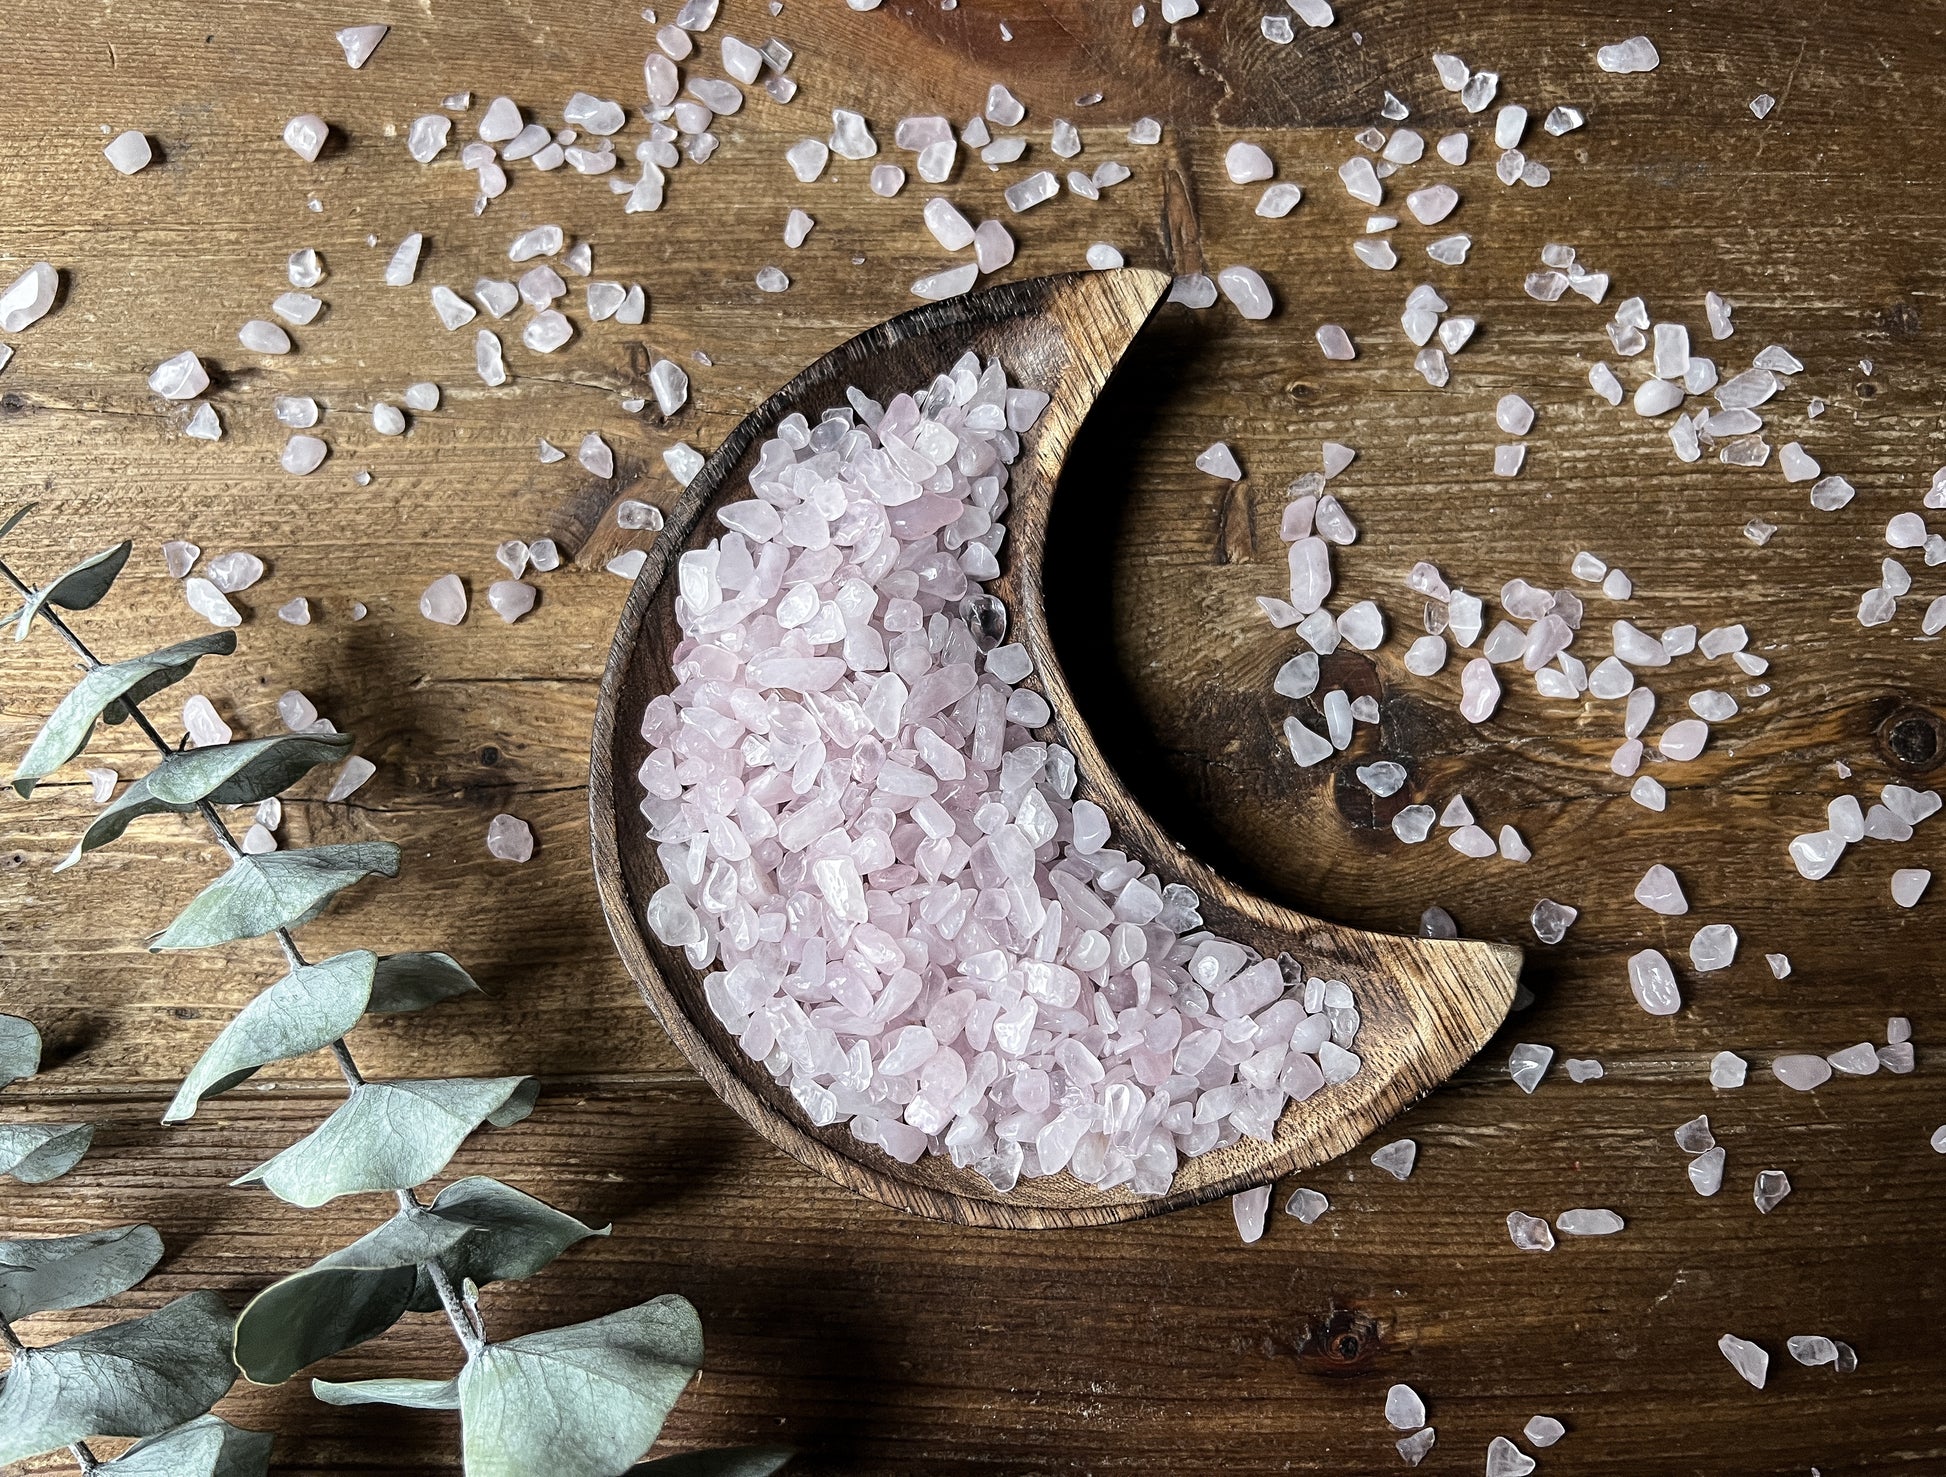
(129, 153)
(1746, 1358)
(1637, 54)
(306, 134)
(444, 601)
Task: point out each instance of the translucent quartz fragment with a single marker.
(1404, 1410)
(1587, 1223)
(1684, 740)
(1528, 1064)
(1514, 415)
(180, 378)
(1335, 342)
(1246, 163)
(1728, 1070)
(951, 282)
(210, 603)
(1036, 189)
(1797, 464)
(1660, 892)
(1479, 690)
(1543, 1430)
(426, 138)
(1653, 983)
(1478, 93)
(1383, 778)
(1529, 1233)
(1801, 1071)
(1413, 1448)
(1583, 1069)
(303, 455)
(1508, 459)
(1648, 792)
(1472, 841)
(1413, 824)
(1551, 920)
(1655, 397)
(596, 455)
(1706, 1171)
(488, 359)
(1907, 885)
(305, 134)
(404, 264)
(1694, 1137)
(1772, 1186)
(180, 557)
(235, 571)
(129, 153)
(807, 158)
(444, 601)
(1815, 853)
(1362, 626)
(204, 425)
(1452, 148)
(1426, 656)
(1855, 1061)
(1246, 289)
(1714, 947)
(1249, 1209)
(1637, 54)
(509, 838)
(1812, 1349)
(510, 599)
(1219, 461)
(1746, 1358)
(1397, 1158)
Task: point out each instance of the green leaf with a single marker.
(342, 1300)
(137, 1378)
(81, 588)
(208, 1446)
(413, 981)
(243, 774)
(107, 693)
(514, 1236)
(728, 1461)
(14, 518)
(412, 1394)
(52, 1272)
(20, 1049)
(306, 1010)
(391, 1136)
(581, 1401)
(224, 774)
(35, 1153)
(277, 890)
(114, 818)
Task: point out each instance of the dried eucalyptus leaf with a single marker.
(137, 1378)
(306, 1010)
(35, 1153)
(341, 1300)
(208, 1446)
(107, 693)
(14, 518)
(20, 1049)
(277, 890)
(413, 981)
(514, 1236)
(581, 1401)
(728, 1461)
(391, 1136)
(80, 588)
(412, 1394)
(243, 774)
(52, 1272)
(116, 817)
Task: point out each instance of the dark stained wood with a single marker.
(1426, 1005)
(882, 1343)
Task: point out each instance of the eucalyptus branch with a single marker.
(584, 1401)
(469, 1338)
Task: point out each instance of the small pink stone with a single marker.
(510, 838)
(444, 601)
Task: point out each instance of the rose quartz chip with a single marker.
(1684, 740)
(510, 838)
(306, 134)
(1654, 983)
(510, 599)
(444, 601)
(1249, 1209)
(1479, 690)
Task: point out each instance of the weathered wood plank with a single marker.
(886, 1345)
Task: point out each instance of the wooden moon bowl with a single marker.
(1427, 1005)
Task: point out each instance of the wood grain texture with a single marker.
(1426, 1005)
(878, 1342)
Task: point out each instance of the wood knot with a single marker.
(1913, 740)
(1346, 1341)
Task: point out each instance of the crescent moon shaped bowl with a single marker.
(1426, 1005)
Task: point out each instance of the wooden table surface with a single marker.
(878, 1343)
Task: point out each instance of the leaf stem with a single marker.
(9, 1339)
(88, 1460)
(465, 1321)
